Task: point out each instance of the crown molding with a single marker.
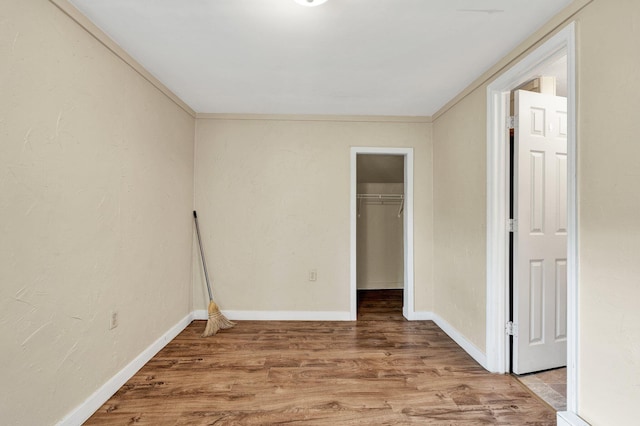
(303, 117)
(72, 12)
(553, 26)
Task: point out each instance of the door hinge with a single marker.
(512, 225)
(512, 121)
(511, 329)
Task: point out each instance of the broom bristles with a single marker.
(216, 321)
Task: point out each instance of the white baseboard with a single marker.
(457, 337)
(421, 316)
(381, 286)
(83, 411)
(567, 418)
(278, 315)
(462, 341)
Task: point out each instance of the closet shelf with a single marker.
(380, 196)
(383, 199)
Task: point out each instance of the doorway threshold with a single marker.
(549, 385)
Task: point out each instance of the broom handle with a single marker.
(204, 264)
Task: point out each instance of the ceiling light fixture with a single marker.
(310, 3)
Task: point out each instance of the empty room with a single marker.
(319, 212)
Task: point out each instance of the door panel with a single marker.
(536, 301)
(561, 299)
(537, 192)
(540, 241)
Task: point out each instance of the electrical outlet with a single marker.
(113, 320)
(313, 275)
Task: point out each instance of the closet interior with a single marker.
(380, 222)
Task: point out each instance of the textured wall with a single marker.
(609, 239)
(459, 175)
(96, 181)
(274, 200)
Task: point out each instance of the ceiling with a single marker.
(345, 57)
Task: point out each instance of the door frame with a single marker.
(497, 343)
(408, 309)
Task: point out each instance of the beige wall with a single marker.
(460, 200)
(96, 182)
(609, 233)
(273, 197)
(608, 180)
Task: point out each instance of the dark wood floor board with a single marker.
(380, 371)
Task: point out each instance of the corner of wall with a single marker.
(82, 412)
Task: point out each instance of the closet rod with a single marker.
(381, 196)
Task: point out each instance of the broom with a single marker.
(216, 321)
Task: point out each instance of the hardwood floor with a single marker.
(380, 370)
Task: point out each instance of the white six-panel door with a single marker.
(540, 239)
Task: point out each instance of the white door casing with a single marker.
(408, 309)
(540, 239)
(523, 70)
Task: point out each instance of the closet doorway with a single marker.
(381, 231)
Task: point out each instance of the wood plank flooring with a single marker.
(380, 370)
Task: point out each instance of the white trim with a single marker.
(573, 319)
(497, 194)
(566, 418)
(79, 18)
(317, 117)
(454, 334)
(462, 341)
(408, 309)
(83, 411)
(396, 285)
(549, 27)
(423, 316)
(353, 236)
(202, 314)
(497, 235)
